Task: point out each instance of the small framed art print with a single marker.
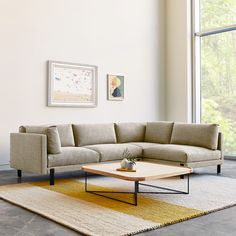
(115, 87)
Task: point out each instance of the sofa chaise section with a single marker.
(181, 153)
(192, 145)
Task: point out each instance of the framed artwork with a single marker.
(115, 87)
(72, 85)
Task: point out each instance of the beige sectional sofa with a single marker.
(49, 149)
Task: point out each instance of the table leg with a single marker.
(188, 184)
(136, 190)
(86, 181)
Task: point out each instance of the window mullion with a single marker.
(216, 31)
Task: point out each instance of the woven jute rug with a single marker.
(68, 204)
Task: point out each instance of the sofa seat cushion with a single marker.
(130, 132)
(73, 156)
(143, 144)
(181, 153)
(111, 152)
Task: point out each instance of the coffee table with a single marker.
(144, 171)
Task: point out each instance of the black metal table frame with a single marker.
(136, 191)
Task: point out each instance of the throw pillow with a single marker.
(53, 140)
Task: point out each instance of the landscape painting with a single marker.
(72, 84)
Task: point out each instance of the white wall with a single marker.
(178, 60)
(119, 36)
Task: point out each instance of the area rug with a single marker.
(68, 204)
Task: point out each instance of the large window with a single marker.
(215, 66)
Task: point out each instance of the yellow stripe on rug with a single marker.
(84, 217)
(148, 208)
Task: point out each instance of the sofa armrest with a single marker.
(28, 152)
(220, 144)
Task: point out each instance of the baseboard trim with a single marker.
(232, 158)
(5, 167)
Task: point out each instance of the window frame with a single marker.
(197, 34)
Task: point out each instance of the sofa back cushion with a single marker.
(201, 135)
(158, 132)
(65, 133)
(88, 134)
(130, 132)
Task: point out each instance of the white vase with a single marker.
(124, 163)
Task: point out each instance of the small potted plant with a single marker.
(128, 161)
(126, 154)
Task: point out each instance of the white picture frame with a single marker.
(115, 87)
(71, 84)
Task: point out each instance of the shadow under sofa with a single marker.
(48, 149)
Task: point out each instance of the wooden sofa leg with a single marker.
(52, 176)
(218, 169)
(19, 173)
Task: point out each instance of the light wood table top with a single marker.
(144, 171)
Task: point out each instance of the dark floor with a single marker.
(15, 221)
